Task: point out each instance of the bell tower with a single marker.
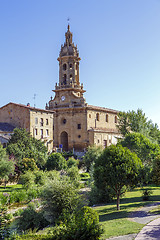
(69, 91)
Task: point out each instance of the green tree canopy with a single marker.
(142, 146)
(116, 167)
(56, 161)
(23, 145)
(133, 121)
(6, 165)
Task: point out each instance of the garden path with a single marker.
(143, 216)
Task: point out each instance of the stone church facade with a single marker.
(77, 124)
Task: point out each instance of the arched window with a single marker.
(64, 66)
(70, 65)
(97, 116)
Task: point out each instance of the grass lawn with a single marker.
(116, 223)
(10, 188)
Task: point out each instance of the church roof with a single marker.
(91, 107)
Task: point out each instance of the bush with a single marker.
(71, 162)
(83, 225)
(59, 195)
(56, 161)
(73, 174)
(146, 194)
(17, 197)
(27, 179)
(31, 219)
(40, 178)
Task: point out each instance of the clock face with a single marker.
(63, 98)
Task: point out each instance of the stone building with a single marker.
(77, 124)
(6, 130)
(38, 122)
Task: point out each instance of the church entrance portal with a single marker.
(64, 140)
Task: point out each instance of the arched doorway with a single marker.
(64, 140)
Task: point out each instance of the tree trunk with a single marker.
(118, 202)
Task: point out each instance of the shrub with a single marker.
(83, 225)
(146, 194)
(27, 179)
(40, 178)
(31, 219)
(72, 162)
(17, 197)
(59, 195)
(56, 161)
(73, 174)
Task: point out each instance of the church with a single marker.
(78, 125)
(68, 122)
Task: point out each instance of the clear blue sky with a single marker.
(118, 41)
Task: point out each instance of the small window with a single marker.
(71, 77)
(98, 140)
(97, 116)
(70, 65)
(89, 115)
(41, 133)
(115, 119)
(64, 121)
(79, 126)
(47, 132)
(79, 136)
(76, 66)
(105, 143)
(41, 122)
(64, 67)
(36, 132)
(46, 121)
(36, 120)
(106, 117)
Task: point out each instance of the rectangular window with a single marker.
(47, 132)
(36, 132)
(105, 143)
(41, 122)
(79, 126)
(46, 121)
(36, 120)
(41, 133)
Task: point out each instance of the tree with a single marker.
(91, 155)
(156, 170)
(6, 165)
(142, 146)
(59, 196)
(117, 167)
(56, 161)
(132, 121)
(23, 145)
